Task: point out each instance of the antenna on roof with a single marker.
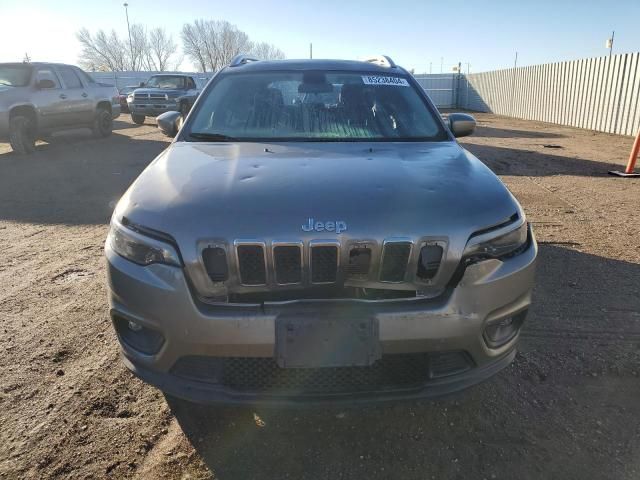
(382, 60)
(241, 60)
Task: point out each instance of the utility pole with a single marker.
(430, 65)
(126, 11)
(311, 50)
(610, 43)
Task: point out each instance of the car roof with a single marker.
(39, 64)
(315, 64)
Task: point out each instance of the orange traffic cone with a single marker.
(628, 172)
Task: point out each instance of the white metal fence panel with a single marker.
(595, 93)
(441, 88)
(133, 79)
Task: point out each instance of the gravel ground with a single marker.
(567, 407)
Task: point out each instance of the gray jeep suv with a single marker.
(37, 99)
(316, 234)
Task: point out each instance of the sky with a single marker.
(424, 35)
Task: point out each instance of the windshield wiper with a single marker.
(215, 137)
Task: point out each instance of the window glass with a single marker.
(70, 78)
(331, 106)
(47, 74)
(166, 81)
(84, 76)
(15, 75)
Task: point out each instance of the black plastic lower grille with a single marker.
(251, 264)
(324, 264)
(215, 261)
(429, 263)
(288, 264)
(263, 375)
(394, 261)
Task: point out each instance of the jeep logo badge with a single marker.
(313, 225)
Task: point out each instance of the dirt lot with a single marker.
(567, 408)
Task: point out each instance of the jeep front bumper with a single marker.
(225, 354)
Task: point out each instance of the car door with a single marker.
(50, 102)
(79, 104)
(95, 92)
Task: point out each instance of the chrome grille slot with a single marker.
(429, 261)
(215, 262)
(251, 263)
(395, 257)
(287, 261)
(359, 262)
(324, 264)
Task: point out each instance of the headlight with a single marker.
(130, 97)
(140, 248)
(497, 243)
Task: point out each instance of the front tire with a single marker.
(103, 124)
(184, 109)
(137, 119)
(22, 135)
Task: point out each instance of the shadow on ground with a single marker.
(492, 132)
(74, 179)
(564, 409)
(514, 161)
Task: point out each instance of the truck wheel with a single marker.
(184, 109)
(22, 135)
(139, 119)
(103, 123)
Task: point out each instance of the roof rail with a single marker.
(241, 60)
(382, 60)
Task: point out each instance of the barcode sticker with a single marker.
(375, 80)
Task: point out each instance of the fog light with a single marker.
(136, 336)
(501, 331)
(136, 327)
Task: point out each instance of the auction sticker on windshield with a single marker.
(375, 80)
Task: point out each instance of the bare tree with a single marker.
(160, 49)
(138, 51)
(102, 52)
(193, 45)
(267, 51)
(211, 44)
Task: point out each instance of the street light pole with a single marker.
(126, 11)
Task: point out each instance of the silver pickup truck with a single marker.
(37, 99)
(163, 93)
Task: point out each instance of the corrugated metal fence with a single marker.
(441, 88)
(132, 79)
(593, 93)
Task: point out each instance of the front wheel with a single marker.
(103, 123)
(184, 109)
(138, 119)
(22, 135)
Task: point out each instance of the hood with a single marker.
(169, 91)
(263, 191)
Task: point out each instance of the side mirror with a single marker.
(169, 123)
(45, 83)
(461, 124)
(141, 84)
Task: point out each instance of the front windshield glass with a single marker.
(15, 75)
(166, 81)
(314, 106)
